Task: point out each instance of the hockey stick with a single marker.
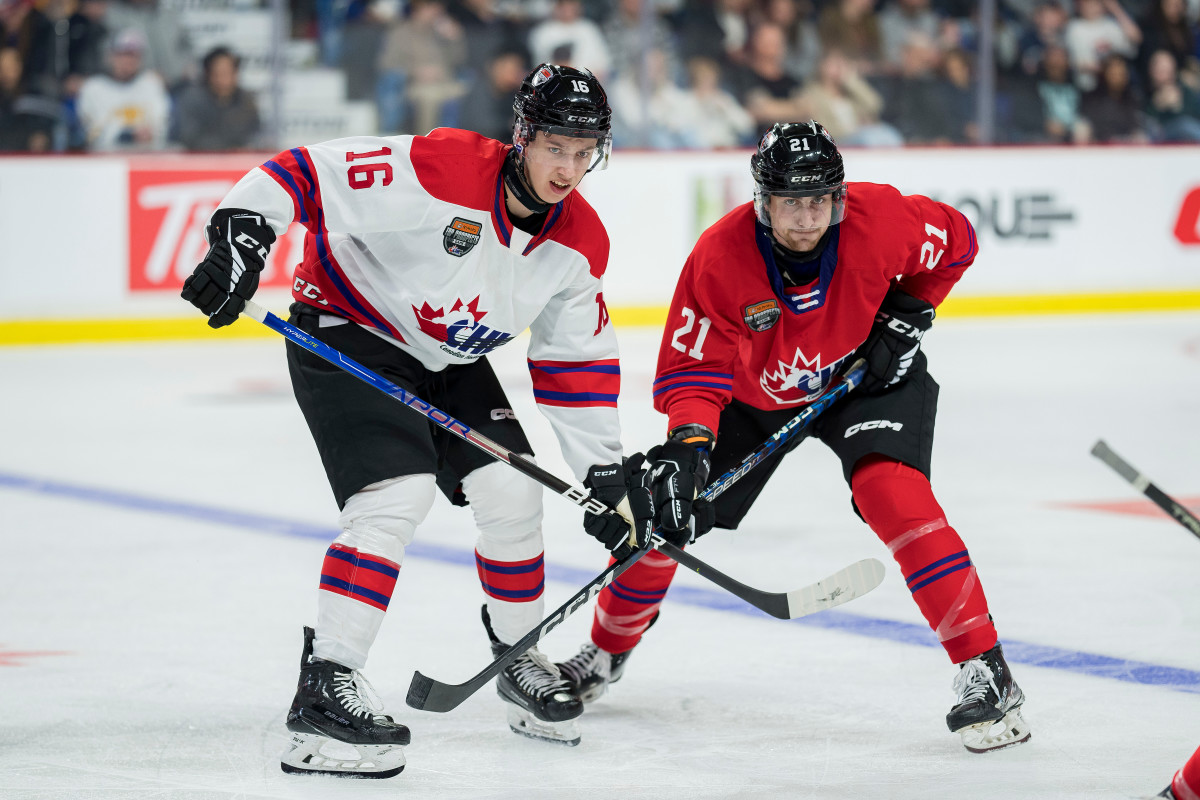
(1140, 482)
(432, 695)
(769, 602)
(428, 694)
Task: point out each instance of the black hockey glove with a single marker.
(623, 488)
(220, 285)
(894, 341)
(678, 472)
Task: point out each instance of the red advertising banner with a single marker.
(168, 209)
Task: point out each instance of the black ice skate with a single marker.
(335, 730)
(591, 670)
(988, 713)
(541, 704)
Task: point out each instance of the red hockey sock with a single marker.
(365, 577)
(897, 502)
(1186, 784)
(627, 605)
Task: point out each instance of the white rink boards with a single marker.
(165, 515)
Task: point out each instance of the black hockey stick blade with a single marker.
(428, 694)
(840, 587)
(1140, 482)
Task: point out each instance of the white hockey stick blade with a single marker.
(840, 587)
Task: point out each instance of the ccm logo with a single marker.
(588, 120)
(503, 413)
(872, 425)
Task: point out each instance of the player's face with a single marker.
(799, 222)
(554, 164)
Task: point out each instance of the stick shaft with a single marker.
(1175, 509)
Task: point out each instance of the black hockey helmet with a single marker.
(566, 101)
(798, 159)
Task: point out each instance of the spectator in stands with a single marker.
(897, 20)
(798, 20)
(218, 114)
(1167, 28)
(627, 41)
(717, 119)
(27, 121)
(1172, 106)
(846, 104)
(1047, 28)
(714, 29)
(31, 32)
(958, 91)
(360, 42)
(762, 85)
(1113, 109)
(915, 96)
(127, 108)
(419, 70)
(1060, 97)
(168, 49)
(1101, 27)
(487, 33)
(87, 37)
(488, 105)
(649, 110)
(851, 26)
(568, 38)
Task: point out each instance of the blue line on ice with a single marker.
(1092, 664)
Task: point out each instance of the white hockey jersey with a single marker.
(409, 237)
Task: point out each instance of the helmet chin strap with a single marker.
(515, 182)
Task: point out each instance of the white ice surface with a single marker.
(155, 575)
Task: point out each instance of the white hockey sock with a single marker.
(361, 566)
(508, 552)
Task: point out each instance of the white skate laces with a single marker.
(537, 675)
(590, 660)
(973, 681)
(357, 694)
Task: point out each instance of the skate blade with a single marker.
(526, 724)
(985, 737)
(310, 754)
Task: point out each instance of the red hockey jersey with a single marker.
(734, 331)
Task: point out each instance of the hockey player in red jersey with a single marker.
(422, 255)
(776, 298)
(1186, 783)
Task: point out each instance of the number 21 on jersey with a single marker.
(931, 252)
(685, 330)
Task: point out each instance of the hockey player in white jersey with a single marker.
(423, 254)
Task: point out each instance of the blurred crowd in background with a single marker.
(123, 75)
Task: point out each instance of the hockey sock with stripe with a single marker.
(898, 503)
(628, 604)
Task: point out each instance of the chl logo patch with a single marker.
(460, 236)
(761, 316)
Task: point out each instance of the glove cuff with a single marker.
(219, 224)
(697, 436)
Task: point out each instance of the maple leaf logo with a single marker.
(798, 382)
(435, 322)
